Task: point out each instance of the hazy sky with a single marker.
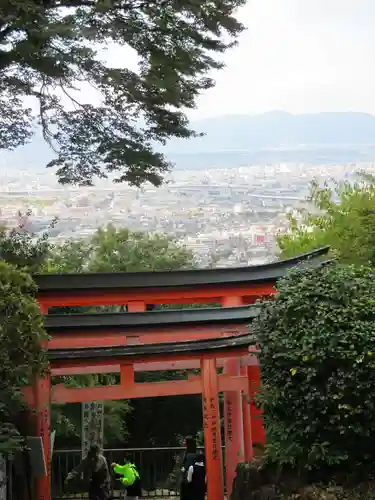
(298, 56)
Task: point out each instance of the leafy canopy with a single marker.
(342, 217)
(23, 249)
(120, 250)
(49, 49)
(21, 356)
(318, 368)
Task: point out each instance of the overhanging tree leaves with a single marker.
(317, 340)
(48, 48)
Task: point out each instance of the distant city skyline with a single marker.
(228, 217)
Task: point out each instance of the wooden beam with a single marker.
(229, 352)
(154, 366)
(62, 394)
(109, 338)
(186, 295)
(138, 367)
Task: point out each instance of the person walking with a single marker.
(95, 471)
(196, 478)
(187, 461)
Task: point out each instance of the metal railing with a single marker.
(159, 469)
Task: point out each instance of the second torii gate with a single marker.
(233, 288)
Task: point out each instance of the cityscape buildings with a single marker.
(228, 217)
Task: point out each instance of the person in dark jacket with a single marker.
(188, 460)
(196, 478)
(95, 471)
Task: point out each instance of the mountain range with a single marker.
(237, 140)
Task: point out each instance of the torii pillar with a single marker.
(233, 415)
(257, 427)
(212, 430)
(42, 403)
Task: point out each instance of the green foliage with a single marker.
(51, 48)
(342, 217)
(318, 368)
(259, 480)
(66, 419)
(120, 250)
(23, 249)
(21, 356)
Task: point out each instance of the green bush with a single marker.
(317, 340)
(21, 357)
(258, 480)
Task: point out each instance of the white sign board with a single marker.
(92, 425)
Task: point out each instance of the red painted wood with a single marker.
(42, 404)
(138, 367)
(212, 432)
(186, 295)
(246, 420)
(155, 366)
(209, 385)
(257, 428)
(127, 375)
(233, 420)
(64, 340)
(62, 394)
(136, 306)
(42, 400)
(234, 437)
(162, 357)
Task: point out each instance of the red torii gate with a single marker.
(76, 348)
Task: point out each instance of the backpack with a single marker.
(199, 473)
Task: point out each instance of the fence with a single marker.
(159, 468)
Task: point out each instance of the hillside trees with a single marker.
(318, 370)
(52, 55)
(21, 356)
(21, 329)
(342, 217)
(23, 249)
(114, 249)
